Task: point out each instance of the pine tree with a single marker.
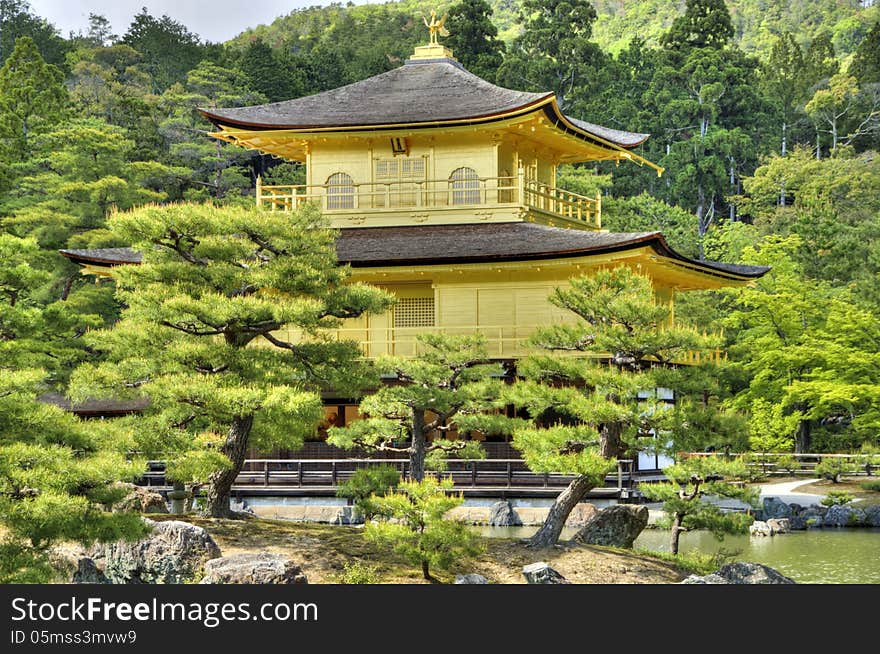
(683, 497)
(596, 405)
(209, 334)
(865, 64)
(32, 99)
(450, 389)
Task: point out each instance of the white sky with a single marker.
(213, 20)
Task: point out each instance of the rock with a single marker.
(173, 553)
(775, 508)
(542, 573)
(872, 516)
(743, 572)
(814, 516)
(615, 526)
(843, 516)
(797, 523)
(242, 509)
(471, 579)
(502, 515)
(581, 514)
(708, 579)
(348, 515)
(259, 568)
(779, 525)
(140, 499)
(795, 508)
(760, 528)
(87, 572)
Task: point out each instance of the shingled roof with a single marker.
(419, 92)
(472, 243)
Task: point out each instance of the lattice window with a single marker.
(465, 185)
(340, 191)
(414, 312)
(401, 168)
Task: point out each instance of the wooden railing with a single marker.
(502, 341)
(434, 194)
(465, 473)
(768, 462)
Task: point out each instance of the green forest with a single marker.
(764, 114)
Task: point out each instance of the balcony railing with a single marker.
(503, 342)
(472, 193)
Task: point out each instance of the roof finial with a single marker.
(436, 27)
(434, 50)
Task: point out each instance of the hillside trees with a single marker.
(204, 334)
(473, 37)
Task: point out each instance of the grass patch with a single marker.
(694, 561)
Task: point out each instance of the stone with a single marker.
(615, 526)
(797, 523)
(814, 516)
(502, 514)
(760, 528)
(253, 568)
(872, 516)
(581, 514)
(87, 572)
(708, 579)
(140, 499)
(779, 525)
(174, 553)
(843, 515)
(348, 515)
(743, 572)
(542, 573)
(795, 508)
(471, 579)
(775, 508)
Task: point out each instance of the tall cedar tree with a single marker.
(594, 404)
(224, 333)
(450, 388)
(474, 38)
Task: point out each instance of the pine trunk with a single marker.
(610, 444)
(419, 447)
(221, 481)
(675, 533)
(562, 507)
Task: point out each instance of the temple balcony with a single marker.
(439, 201)
(503, 342)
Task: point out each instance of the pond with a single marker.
(818, 556)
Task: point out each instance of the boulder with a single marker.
(797, 523)
(708, 579)
(471, 579)
(581, 514)
(843, 515)
(814, 516)
(779, 525)
(775, 508)
(872, 516)
(743, 572)
(87, 572)
(174, 553)
(259, 568)
(502, 514)
(542, 573)
(140, 499)
(795, 508)
(760, 528)
(615, 526)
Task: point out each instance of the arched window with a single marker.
(465, 186)
(340, 191)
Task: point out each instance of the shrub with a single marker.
(788, 462)
(836, 498)
(358, 572)
(367, 482)
(833, 468)
(415, 527)
(872, 485)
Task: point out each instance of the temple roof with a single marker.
(473, 243)
(420, 93)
